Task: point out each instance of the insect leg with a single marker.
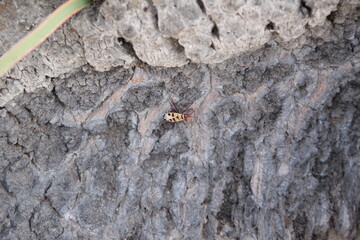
(173, 106)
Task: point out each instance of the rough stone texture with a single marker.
(273, 154)
(159, 33)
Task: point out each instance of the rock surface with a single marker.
(274, 152)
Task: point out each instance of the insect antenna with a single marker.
(188, 109)
(173, 106)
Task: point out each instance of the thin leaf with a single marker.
(39, 34)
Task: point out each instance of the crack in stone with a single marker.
(11, 115)
(30, 225)
(215, 29)
(305, 9)
(178, 46)
(155, 13)
(201, 6)
(270, 26)
(56, 97)
(128, 46)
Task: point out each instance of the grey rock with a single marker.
(45, 223)
(160, 33)
(273, 152)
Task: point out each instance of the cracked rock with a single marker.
(273, 150)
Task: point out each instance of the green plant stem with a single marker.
(39, 34)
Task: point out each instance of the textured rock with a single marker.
(159, 33)
(273, 154)
(61, 53)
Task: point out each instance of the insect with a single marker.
(177, 116)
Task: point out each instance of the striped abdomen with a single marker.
(174, 117)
